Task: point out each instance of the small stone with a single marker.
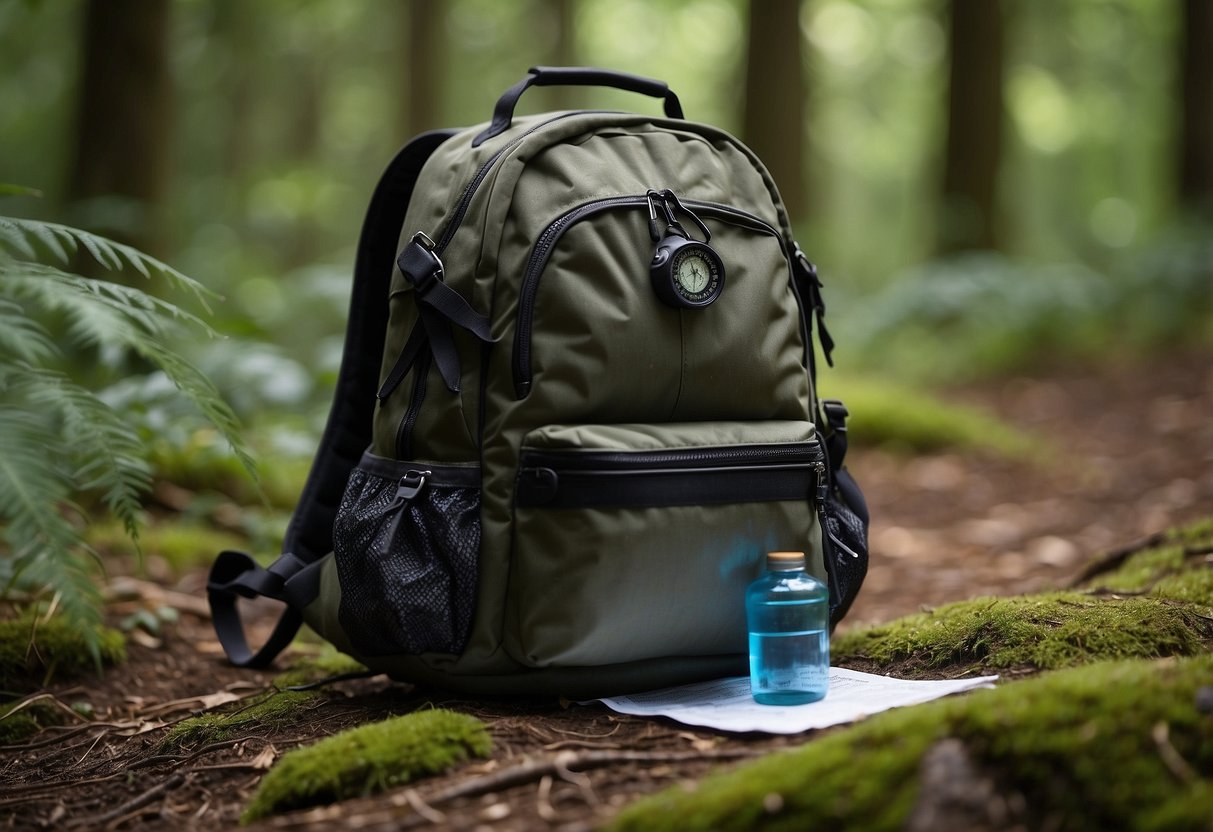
(1053, 551)
(772, 804)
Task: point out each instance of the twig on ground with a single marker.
(133, 804)
(1115, 557)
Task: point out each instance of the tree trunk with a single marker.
(968, 217)
(124, 118)
(424, 70)
(775, 95)
(1196, 103)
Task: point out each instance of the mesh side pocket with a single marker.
(845, 515)
(406, 550)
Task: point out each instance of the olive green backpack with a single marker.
(576, 408)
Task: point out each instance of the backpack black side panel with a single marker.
(348, 430)
(346, 434)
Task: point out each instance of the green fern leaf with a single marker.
(46, 548)
(108, 453)
(54, 244)
(22, 338)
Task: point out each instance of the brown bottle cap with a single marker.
(785, 561)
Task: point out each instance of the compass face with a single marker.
(696, 273)
(692, 273)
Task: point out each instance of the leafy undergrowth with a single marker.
(369, 759)
(36, 649)
(1112, 745)
(182, 544)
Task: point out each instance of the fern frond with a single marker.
(46, 549)
(107, 453)
(101, 312)
(202, 393)
(35, 241)
(21, 337)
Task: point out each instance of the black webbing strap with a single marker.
(309, 536)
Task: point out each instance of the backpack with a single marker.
(575, 409)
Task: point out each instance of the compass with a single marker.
(686, 273)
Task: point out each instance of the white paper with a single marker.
(726, 704)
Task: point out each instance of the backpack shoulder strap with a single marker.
(347, 433)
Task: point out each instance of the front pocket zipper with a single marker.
(556, 229)
(684, 476)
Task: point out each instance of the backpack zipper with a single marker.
(469, 190)
(552, 234)
(404, 433)
(679, 476)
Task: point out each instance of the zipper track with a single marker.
(576, 478)
(469, 190)
(404, 432)
(552, 234)
(578, 461)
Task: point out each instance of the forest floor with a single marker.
(1126, 451)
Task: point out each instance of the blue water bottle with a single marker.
(787, 613)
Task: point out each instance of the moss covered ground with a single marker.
(1116, 745)
(270, 709)
(309, 670)
(1152, 602)
(907, 419)
(35, 650)
(373, 757)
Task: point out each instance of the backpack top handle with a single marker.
(580, 76)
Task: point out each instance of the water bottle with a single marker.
(787, 612)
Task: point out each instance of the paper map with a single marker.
(726, 704)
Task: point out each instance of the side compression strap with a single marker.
(346, 434)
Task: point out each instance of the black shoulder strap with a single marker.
(309, 536)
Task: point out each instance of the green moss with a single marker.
(1177, 568)
(1042, 631)
(1081, 746)
(183, 544)
(270, 710)
(323, 665)
(34, 650)
(205, 463)
(15, 727)
(886, 413)
(369, 759)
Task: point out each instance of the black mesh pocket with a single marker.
(406, 541)
(845, 520)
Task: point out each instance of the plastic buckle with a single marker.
(836, 414)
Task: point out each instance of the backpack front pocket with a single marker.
(637, 541)
(406, 542)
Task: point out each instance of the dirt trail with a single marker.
(1128, 452)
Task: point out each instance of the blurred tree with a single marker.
(425, 29)
(775, 95)
(975, 116)
(561, 15)
(236, 28)
(123, 122)
(1196, 106)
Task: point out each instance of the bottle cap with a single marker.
(785, 561)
